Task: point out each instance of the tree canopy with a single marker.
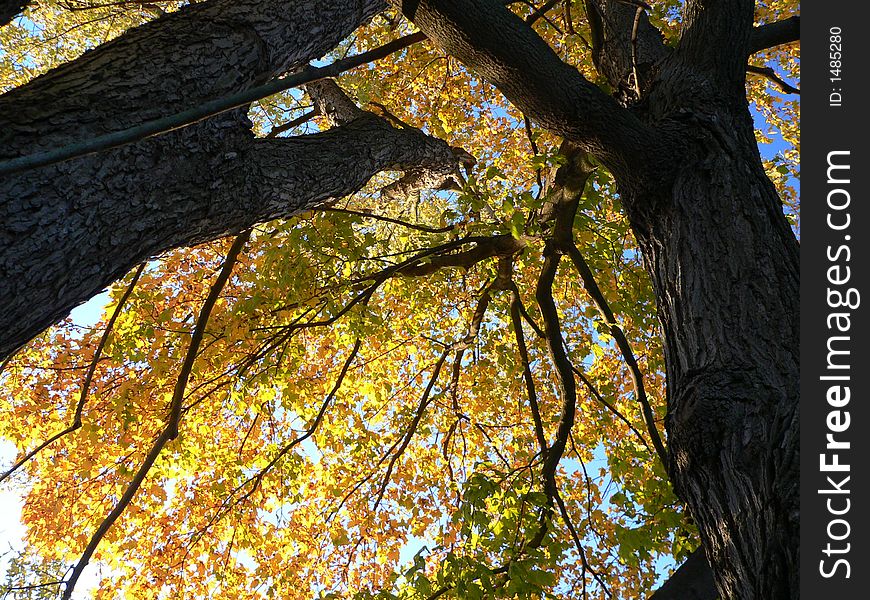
(449, 380)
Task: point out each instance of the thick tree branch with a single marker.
(205, 110)
(568, 184)
(517, 323)
(499, 245)
(407, 188)
(565, 382)
(92, 219)
(262, 180)
(775, 34)
(625, 45)
(564, 372)
(715, 39)
(505, 51)
(202, 52)
(331, 102)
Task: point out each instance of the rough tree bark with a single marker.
(71, 229)
(723, 260)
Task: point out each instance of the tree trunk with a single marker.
(724, 265)
(59, 249)
(71, 229)
(725, 270)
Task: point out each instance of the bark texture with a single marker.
(725, 268)
(501, 48)
(71, 229)
(723, 260)
(724, 265)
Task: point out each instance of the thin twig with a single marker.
(386, 219)
(86, 384)
(772, 76)
(569, 20)
(634, 28)
(385, 112)
(588, 486)
(257, 479)
(170, 432)
(597, 395)
(412, 428)
(278, 129)
(525, 313)
(534, 146)
(502, 570)
(542, 12)
(586, 566)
